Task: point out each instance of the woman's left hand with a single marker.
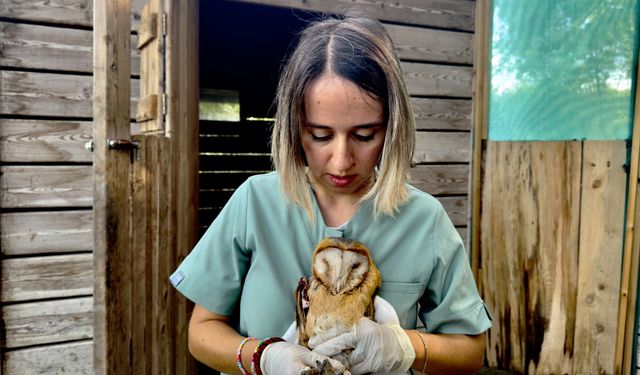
(376, 347)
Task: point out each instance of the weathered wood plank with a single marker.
(25, 233)
(141, 270)
(45, 141)
(529, 243)
(438, 80)
(420, 44)
(151, 69)
(442, 114)
(182, 126)
(38, 323)
(441, 179)
(72, 358)
(456, 208)
(46, 186)
(46, 277)
(49, 94)
(112, 111)
(53, 48)
(451, 14)
(65, 12)
(442, 147)
(601, 233)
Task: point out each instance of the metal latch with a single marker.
(124, 144)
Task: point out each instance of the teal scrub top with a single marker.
(248, 262)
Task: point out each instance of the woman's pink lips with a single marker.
(341, 181)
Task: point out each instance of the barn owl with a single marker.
(341, 290)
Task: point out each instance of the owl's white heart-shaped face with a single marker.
(340, 270)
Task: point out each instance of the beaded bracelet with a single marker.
(257, 353)
(239, 354)
(424, 345)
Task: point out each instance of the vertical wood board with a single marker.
(529, 240)
(601, 232)
(112, 230)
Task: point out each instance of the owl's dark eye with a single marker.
(355, 265)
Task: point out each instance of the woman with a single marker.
(342, 146)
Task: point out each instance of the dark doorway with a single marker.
(242, 48)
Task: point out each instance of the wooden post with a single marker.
(182, 126)
(479, 128)
(626, 307)
(112, 258)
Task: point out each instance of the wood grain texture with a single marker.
(529, 242)
(42, 277)
(451, 14)
(44, 141)
(63, 12)
(141, 316)
(441, 179)
(456, 208)
(420, 44)
(112, 260)
(183, 127)
(442, 147)
(27, 233)
(50, 48)
(438, 80)
(49, 94)
(46, 186)
(442, 114)
(151, 69)
(47, 322)
(71, 358)
(601, 233)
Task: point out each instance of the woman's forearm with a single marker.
(448, 354)
(214, 342)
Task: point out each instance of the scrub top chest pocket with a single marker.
(404, 298)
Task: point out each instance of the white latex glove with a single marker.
(380, 348)
(285, 358)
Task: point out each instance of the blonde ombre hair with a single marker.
(360, 50)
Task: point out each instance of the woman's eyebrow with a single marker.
(361, 126)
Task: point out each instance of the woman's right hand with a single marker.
(285, 358)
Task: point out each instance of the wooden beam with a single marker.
(182, 87)
(629, 280)
(480, 124)
(112, 256)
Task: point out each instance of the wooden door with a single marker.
(146, 186)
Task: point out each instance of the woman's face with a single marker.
(342, 136)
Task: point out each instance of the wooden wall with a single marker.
(435, 41)
(46, 187)
(552, 230)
